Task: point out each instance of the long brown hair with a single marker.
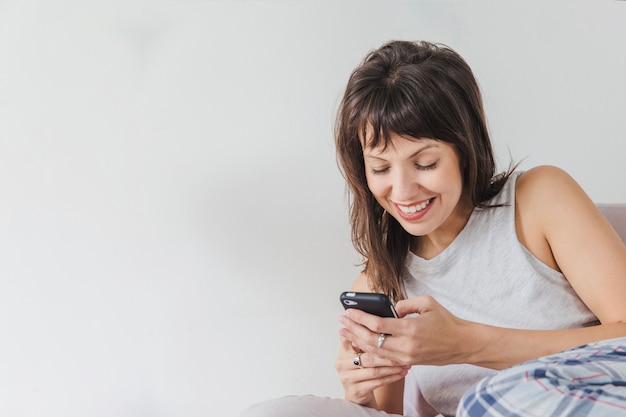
(417, 89)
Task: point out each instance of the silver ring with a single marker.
(357, 360)
(381, 340)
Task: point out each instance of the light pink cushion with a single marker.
(616, 215)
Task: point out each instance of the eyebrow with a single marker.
(413, 155)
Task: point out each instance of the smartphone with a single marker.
(373, 303)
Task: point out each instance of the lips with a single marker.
(414, 211)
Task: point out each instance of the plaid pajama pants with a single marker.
(586, 381)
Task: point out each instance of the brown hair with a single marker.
(422, 90)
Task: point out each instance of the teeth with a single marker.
(414, 209)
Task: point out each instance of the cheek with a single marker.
(455, 183)
(378, 188)
(373, 185)
(447, 183)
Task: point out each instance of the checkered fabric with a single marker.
(586, 381)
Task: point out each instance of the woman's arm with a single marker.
(559, 224)
(562, 227)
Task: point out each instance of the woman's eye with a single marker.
(378, 171)
(426, 167)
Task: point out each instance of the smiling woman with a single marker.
(485, 268)
(412, 91)
(409, 178)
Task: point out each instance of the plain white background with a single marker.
(173, 225)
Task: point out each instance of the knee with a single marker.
(290, 406)
(476, 402)
(269, 408)
(505, 393)
(528, 389)
(307, 406)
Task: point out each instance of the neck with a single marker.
(434, 243)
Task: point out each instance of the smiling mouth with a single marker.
(416, 208)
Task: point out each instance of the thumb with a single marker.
(417, 305)
(346, 344)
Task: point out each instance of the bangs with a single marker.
(390, 110)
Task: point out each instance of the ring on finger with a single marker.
(381, 340)
(357, 360)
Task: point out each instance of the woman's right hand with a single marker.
(359, 382)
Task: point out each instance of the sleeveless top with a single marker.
(486, 275)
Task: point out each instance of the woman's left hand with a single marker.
(433, 337)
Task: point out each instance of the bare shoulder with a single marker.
(362, 283)
(547, 202)
(546, 182)
(547, 193)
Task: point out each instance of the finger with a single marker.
(371, 360)
(369, 321)
(357, 336)
(348, 335)
(368, 379)
(367, 340)
(346, 344)
(365, 336)
(359, 390)
(359, 375)
(417, 305)
(347, 355)
(349, 359)
(347, 348)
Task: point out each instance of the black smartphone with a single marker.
(373, 303)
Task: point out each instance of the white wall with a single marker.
(173, 227)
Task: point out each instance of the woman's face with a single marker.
(418, 182)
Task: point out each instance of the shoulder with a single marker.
(549, 195)
(543, 182)
(547, 202)
(362, 283)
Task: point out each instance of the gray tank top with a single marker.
(486, 275)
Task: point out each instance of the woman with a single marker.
(488, 270)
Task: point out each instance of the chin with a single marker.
(416, 231)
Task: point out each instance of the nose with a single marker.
(405, 185)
